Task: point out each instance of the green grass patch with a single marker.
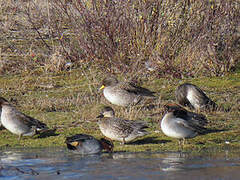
(69, 103)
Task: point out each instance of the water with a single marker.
(61, 164)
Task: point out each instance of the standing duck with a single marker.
(179, 123)
(124, 93)
(17, 122)
(86, 144)
(192, 96)
(120, 129)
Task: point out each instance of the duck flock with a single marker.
(177, 122)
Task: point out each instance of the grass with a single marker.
(70, 102)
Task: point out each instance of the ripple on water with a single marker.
(61, 164)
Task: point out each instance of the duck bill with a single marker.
(75, 144)
(72, 145)
(100, 116)
(102, 87)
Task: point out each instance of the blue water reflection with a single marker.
(59, 164)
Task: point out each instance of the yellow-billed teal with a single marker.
(192, 96)
(120, 129)
(124, 93)
(17, 122)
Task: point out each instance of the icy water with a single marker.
(62, 164)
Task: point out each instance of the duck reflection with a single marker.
(166, 161)
(124, 155)
(173, 162)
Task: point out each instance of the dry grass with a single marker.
(180, 38)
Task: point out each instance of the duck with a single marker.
(124, 93)
(119, 129)
(192, 96)
(17, 122)
(179, 123)
(87, 144)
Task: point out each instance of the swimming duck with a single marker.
(182, 124)
(192, 96)
(120, 129)
(86, 144)
(17, 122)
(124, 93)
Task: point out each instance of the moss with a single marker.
(65, 102)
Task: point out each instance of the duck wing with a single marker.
(31, 122)
(122, 127)
(181, 96)
(202, 98)
(197, 119)
(133, 88)
(191, 126)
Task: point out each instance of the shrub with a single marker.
(179, 38)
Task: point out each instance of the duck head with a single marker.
(3, 101)
(107, 145)
(106, 112)
(109, 81)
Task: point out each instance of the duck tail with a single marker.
(202, 130)
(212, 106)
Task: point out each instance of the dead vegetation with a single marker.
(181, 39)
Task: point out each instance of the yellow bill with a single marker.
(102, 87)
(75, 144)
